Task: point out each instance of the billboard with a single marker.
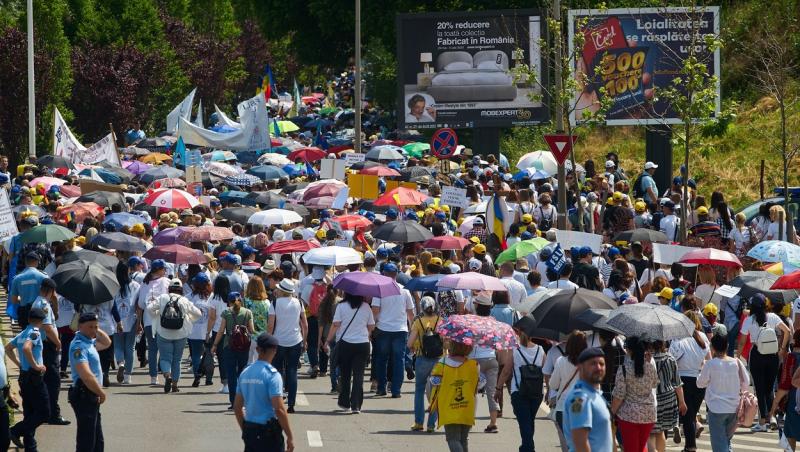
(633, 53)
(454, 69)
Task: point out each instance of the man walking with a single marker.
(392, 317)
(259, 406)
(25, 287)
(587, 421)
(51, 348)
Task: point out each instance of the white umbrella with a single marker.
(543, 160)
(222, 169)
(275, 216)
(332, 255)
(466, 225)
(481, 208)
(273, 159)
(385, 152)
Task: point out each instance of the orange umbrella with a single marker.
(79, 212)
(352, 222)
(401, 196)
(155, 158)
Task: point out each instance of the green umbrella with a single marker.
(417, 149)
(328, 110)
(46, 233)
(521, 249)
(287, 126)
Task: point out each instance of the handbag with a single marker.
(334, 354)
(552, 414)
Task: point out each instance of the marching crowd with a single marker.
(252, 308)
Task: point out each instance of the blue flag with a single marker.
(179, 155)
(557, 260)
(276, 129)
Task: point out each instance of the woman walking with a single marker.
(690, 353)
(200, 296)
(255, 299)
(235, 330)
(353, 323)
(288, 324)
(428, 348)
(632, 399)
(217, 306)
(125, 340)
(669, 397)
(487, 362)
(564, 377)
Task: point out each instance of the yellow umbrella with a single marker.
(775, 269)
(156, 158)
(287, 126)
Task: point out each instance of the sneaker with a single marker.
(396, 396)
(410, 373)
(380, 393)
(342, 409)
(106, 381)
(126, 380)
(209, 382)
(15, 438)
(175, 387)
(153, 381)
(334, 391)
(355, 411)
(167, 384)
(699, 431)
(759, 428)
(431, 429)
(676, 435)
(373, 386)
(120, 373)
(773, 423)
(196, 381)
(417, 427)
(290, 409)
(223, 389)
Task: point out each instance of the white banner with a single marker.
(8, 225)
(569, 239)
(667, 254)
(354, 157)
(252, 136)
(182, 110)
(64, 142)
(198, 121)
(104, 150)
(331, 169)
(454, 197)
(225, 120)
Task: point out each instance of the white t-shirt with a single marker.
(534, 355)
(219, 306)
(200, 326)
(541, 267)
(287, 321)
(66, 311)
(652, 298)
(689, 355)
(393, 315)
(669, 226)
(516, 291)
(752, 328)
(554, 353)
(149, 292)
(126, 306)
(562, 284)
(562, 381)
(357, 332)
(772, 232)
(104, 318)
(649, 276)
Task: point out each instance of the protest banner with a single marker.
(454, 197)
(8, 224)
(331, 169)
(668, 254)
(570, 239)
(353, 157)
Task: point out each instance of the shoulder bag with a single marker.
(334, 355)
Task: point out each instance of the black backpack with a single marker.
(432, 344)
(546, 222)
(531, 378)
(172, 314)
(636, 188)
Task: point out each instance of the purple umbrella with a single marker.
(176, 254)
(170, 236)
(366, 284)
(136, 167)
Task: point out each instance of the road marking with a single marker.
(314, 438)
(301, 399)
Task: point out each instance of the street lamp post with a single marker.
(357, 140)
(31, 91)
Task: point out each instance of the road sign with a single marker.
(560, 146)
(444, 143)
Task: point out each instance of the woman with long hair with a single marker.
(154, 284)
(125, 340)
(690, 353)
(565, 374)
(325, 321)
(427, 346)
(763, 365)
(200, 295)
(632, 400)
(669, 396)
(235, 360)
(725, 224)
(617, 288)
(741, 236)
(255, 299)
(217, 305)
(777, 216)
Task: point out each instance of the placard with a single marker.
(88, 186)
(341, 198)
(727, 291)
(364, 186)
(392, 184)
(336, 226)
(569, 239)
(668, 254)
(8, 225)
(353, 157)
(332, 169)
(454, 197)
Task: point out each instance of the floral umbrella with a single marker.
(478, 331)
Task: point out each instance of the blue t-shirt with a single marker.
(82, 350)
(258, 384)
(585, 407)
(30, 333)
(648, 182)
(44, 305)
(26, 285)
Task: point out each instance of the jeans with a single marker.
(352, 361)
(764, 369)
(313, 342)
(124, 343)
(235, 362)
(457, 437)
(171, 351)
(525, 411)
(693, 396)
(390, 345)
(733, 335)
(423, 371)
(285, 362)
(196, 350)
(720, 424)
(152, 351)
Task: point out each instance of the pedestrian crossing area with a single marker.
(743, 440)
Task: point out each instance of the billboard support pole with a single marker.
(486, 141)
(559, 119)
(357, 106)
(658, 149)
(31, 87)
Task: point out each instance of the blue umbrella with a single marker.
(248, 157)
(224, 129)
(293, 171)
(318, 123)
(242, 180)
(267, 172)
(222, 156)
(107, 176)
(775, 251)
(425, 284)
(233, 195)
(121, 219)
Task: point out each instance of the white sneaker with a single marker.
(154, 381)
(223, 389)
(126, 380)
(759, 428)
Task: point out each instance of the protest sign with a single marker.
(557, 260)
(352, 157)
(341, 198)
(668, 254)
(363, 186)
(8, 225)
(331, 169)
(570, 239)
(454, 197)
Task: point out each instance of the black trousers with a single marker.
(106, 357)
(764, 369)
(52, 379)
(87, 417)
(352, 361)
(22, 316)
(5, 438)
(262, 438)
(693, 396)
(36, 406)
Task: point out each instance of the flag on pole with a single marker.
(179, 154)
(330, 98)
(276, 130)
(297, 100)
(497, 218)
(64, 142)
(557, 260)
(268, 83)
(198, 121)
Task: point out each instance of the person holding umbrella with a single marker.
(428, 347)
(393, 314)
(125, 340)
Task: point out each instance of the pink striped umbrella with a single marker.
(171, 198)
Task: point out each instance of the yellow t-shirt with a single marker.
(454, 395)
(420, 325)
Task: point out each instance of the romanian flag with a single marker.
(267, 83)
(498, 220)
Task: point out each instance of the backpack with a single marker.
(546, 222)
(637, 187)
(240, 337)
(318, 291)
(432, 344)
(531, 378)
(172, 314)
(767, 341)
(448, 304)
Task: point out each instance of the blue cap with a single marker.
(391, 213)
(575, 251)
(613, 251)
(215, 203)
(440, 215)
(47, 220)
(362, 212)
(158, 264)
(389, 267)
(526, 235)
(248, 250)
(232, 258)
(324, 213)
(677, 292)
(233, 296)
(412, 216)
(382, 252)
(370, 216)
(459, 183)
(240, 244)
(135, 260)
(585, 251)
(16, 189)
(201, 278)
(677, 180)
(393, 165)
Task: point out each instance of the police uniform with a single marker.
(35, 399)
(585, 407)
(26, 285)
(51, 358)
(84, 402)
(258, 384)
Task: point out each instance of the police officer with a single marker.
(25, 287)
(51, 348)
(35, 403)
(86, 394)
(587, 421)
(263, 423)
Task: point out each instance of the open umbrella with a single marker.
(790, 281)
(91, 257)
(136, 167)
(119, 241)
(650, 322)
(104, 198)
(558, 313)
(103, 174)
(222, 169)
(297, 208)
(325, 187)
(386, 152)
(641, 235)
(159, 172)
(275, 216)
(320, 202)
(156, 158)
(416, 149)
(366, 284)
(710, 256)
(243, 180)
(521, 249)
(122, 219)
(266, 198)
(80, 211)
(543, 160)
(381, 171)
(54, 161)
(86, 283)
(753, 282)
(425, 283)
(46, 233)
(352, 222)
(471, 281)
(599, 319)
(446, 242)
(207, 234)
(287, 126)
(775, 251)
(291, 246)
(402, 232)
(307, 154)
(168, 182)
(176, 254)
(364, 164)
(170, 236)
(478, 331)
(171, 198)
(222, 156)
(267, 172)
(415, 173)
(236, 214)
(332, 255)
(48, 182)
(233, 196)
(534, 300)
(28, 208)
(401, 196)
(271, 158)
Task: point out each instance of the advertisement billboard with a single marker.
(633, 53)
(455, 69)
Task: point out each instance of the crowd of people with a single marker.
(250, 307)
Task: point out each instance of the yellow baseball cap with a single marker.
(137, 228)
(479, 248)
(475, 240)
(640, 206)
(527, 218)
(702, 210)
(710, 309)
(665, 293)
(445, 208)
(436, 261)
(617, 196)
(321, 234)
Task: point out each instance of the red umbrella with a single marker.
(80, 211)
(171, 198)
(710, 256)
(787, 282)
(446, 242)
(206, 234)
(291, 246)
(380, 171)
(275, 142)
(401, 196)
(321, 190)
(176, 254)
(307, 154)
(351, 222)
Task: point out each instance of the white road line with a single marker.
(314, 438)
(747, 446)
(301, 399)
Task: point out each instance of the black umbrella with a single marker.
(364, 164)
(118, 241)
(300, 120)
(104, 198)
(402, 232)
(159, 172)
(559, 314)
(92, 257)
(415, 173)
(267, 198)
(86, 283)
(754, 282)
(598, 318)
(54, 161)
(155, 143)
(369, 206)
(300, 209)
(151, 210)
(641, 235)
(294, 187)
(236, 214)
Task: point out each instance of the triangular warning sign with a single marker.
(560, 146)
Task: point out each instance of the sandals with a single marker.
(490, 429)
